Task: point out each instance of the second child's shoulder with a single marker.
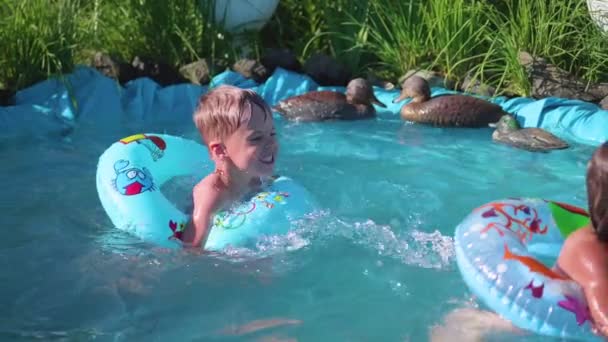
(581, 237)
(583, 244)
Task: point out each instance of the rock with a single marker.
(434, 78)
(217, 66)
(326, 71)
(126, 73)
(7, 97)
(105, 65)
(378, 82)
(476, 87)
(283, 58)
(549, 80)
(162, 73)
(113, 68)
(604, 103)
(196, 72)
(251, 68)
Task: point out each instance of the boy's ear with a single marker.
(218, 150)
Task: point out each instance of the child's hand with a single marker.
(601, 331)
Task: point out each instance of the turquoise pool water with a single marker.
(376, 265)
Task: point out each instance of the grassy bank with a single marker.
(43, 38)
(389, 37)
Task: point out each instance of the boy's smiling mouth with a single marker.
(267, 160)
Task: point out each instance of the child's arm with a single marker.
(595, 292)
(583, 263)
(206, 200)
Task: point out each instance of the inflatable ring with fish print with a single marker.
(498, 250)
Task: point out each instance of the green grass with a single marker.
(175, 32)
(45, 38)
(38, 40)
(562, 32)
(441, 35)
(483, 39)
(480, 38)
(310, 26)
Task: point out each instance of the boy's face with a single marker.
(253, 147)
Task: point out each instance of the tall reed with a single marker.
(39, 38)
(482, 39)
(562, 32)
(479, 38)
(174, 31)
(443, 35)
(42, 38)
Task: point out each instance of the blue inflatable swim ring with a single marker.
(131, 172)
(497, 246)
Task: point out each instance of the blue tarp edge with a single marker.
(55, 105)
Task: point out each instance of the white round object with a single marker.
(239, 15)
(598, 9)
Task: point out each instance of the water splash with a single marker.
(417, 248)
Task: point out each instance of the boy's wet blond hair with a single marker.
(224, 109)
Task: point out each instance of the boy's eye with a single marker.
(256, 138)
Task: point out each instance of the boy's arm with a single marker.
(581, 263)
(205, 203)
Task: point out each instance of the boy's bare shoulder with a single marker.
(206, 182)
(206, 190)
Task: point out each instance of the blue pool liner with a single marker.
(60, 104)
